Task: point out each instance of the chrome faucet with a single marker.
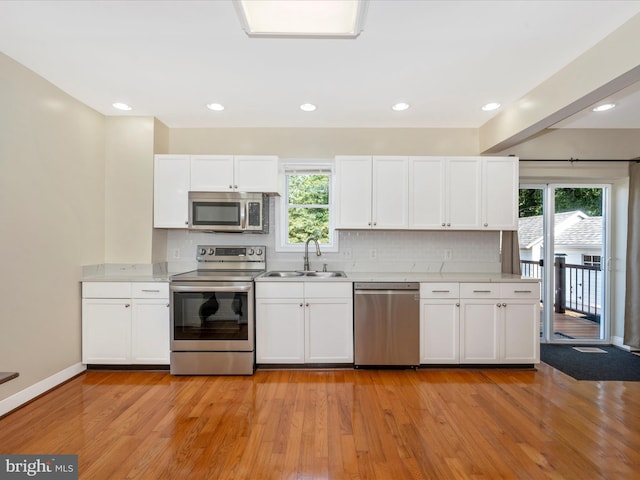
(306, 252)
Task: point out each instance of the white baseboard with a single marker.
(18, 399)
(619, 342)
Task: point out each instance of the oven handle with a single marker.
(211, 288)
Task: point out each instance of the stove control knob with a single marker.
(211, 251)
(250, 251)
(259, 251)
(203, 251)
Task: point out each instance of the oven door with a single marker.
(210, 317)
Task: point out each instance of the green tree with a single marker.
(588, 200)
(308, 207)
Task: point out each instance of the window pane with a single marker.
(308, 189)
(308, 222)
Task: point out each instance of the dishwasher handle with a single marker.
(385, 286)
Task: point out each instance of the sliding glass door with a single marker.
(563, 241)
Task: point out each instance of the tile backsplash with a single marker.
(359, 251)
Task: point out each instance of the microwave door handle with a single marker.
(243, 216)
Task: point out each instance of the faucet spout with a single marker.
(306, 252)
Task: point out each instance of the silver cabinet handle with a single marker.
(504, 304)
(522, 291)
(440, 291)
(482, 291)
(151, 291)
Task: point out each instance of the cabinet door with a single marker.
(390, 193)
(479, 331)
(521, 331)
(463, 193)
(212, 173)
(256, 173)
(171, 191)
(439, 331)
(279, 331)
(329, 331)
(500, 193)
(426, 192)
(353, 191)
(106, 331)
(150, 332)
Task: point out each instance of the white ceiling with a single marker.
(446, 58)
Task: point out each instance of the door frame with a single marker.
(547, 284)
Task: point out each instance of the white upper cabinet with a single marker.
(427, 192)
(445, 193)
(212, 173)
(171, 191)
(175, 175)
(256, 173)
(500, 193)
(372, 192)
(463, 193)
(227, 173)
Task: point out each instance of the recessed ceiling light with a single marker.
(311, 18)
(121, 106)
(604, 107)
(490, 106)
(308, 107)
(399, 107)
(216, 107)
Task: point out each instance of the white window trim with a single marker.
(282, 234)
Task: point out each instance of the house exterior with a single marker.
(578, 237)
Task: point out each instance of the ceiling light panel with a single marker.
(309, 18)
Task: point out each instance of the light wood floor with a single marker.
(336, 424)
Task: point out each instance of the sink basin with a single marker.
(288, 274)
(283, 274)
(325, 274)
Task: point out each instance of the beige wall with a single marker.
(52, 203)
(129, 189)
(323, 142)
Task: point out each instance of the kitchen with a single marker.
(94, 173)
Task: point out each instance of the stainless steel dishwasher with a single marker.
(387, 324)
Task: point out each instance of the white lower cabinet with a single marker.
(490, 323)
(304, 322)
(439, 323)
(125, 323)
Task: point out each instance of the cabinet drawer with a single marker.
(106, 289)
(439, 290)
(480, 290)
(328, 289)
(279, 289)
(150, 290)
(525, 290)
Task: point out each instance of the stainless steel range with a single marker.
(212, 312)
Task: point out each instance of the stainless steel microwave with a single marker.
(229, 212)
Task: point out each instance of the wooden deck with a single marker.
(574, 325)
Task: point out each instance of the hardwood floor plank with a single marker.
(336, 424)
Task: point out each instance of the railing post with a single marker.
(561, 298)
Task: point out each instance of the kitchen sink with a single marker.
(325, 274)
(283, 274)
(289, 274)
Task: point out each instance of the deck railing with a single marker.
(578, 287)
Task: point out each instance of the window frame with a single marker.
(325, 167)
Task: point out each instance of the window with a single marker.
(591, 260)
(306, 207)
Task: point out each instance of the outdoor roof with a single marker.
(572, 228)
